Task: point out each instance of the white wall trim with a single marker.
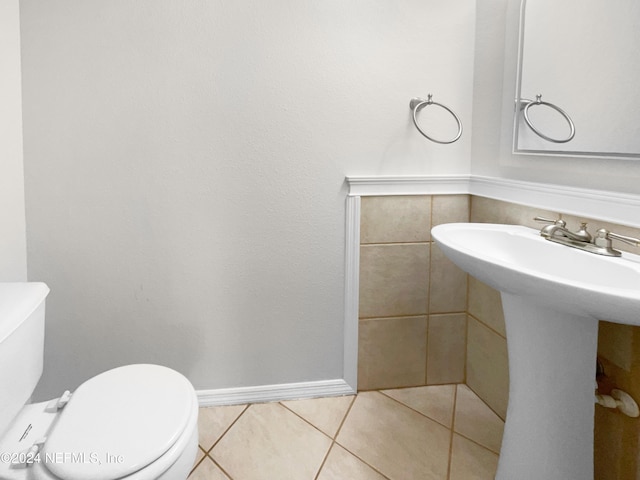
(351, 291)
(273, 393)
(408, 185)
(603, 205)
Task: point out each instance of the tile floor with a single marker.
(442, 432)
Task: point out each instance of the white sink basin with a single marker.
(552, 296)
(517, 260)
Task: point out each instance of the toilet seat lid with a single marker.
(118, 422)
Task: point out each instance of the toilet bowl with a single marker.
(136, 422)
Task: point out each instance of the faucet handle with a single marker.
(603, 233)
(603, 238)
(559, 221)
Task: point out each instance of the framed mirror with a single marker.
(578, 91)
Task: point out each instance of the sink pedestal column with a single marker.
(548, 432)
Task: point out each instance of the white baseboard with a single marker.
(273, 393)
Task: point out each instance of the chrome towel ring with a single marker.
(417, 104)
(526, 105)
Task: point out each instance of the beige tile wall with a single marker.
(412, 298)
(420, 323)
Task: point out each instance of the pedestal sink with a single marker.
(553, 296)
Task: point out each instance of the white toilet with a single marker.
(137, 422)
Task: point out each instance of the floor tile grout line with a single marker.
(453, 425)
(197, 464)
(477, 443)
(220, 467)
(344, 418)
(487, 405)
(417, 411)
(451, 432)
(227, 429)
(455, 407)
(324, 460)
(335, 441)
(362, 460)
(307, 421)
(332, 438)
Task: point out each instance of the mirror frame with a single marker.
(519, 105)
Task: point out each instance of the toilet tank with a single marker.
(21, 345)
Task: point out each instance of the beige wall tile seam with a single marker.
(428, 305)
(490, 408)
(466, 348)
(486, 325)
(466, 330)
(394, 243)
(394, 317)
(466, 307)
(454, 312)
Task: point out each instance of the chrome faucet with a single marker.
(600, 244)
(559, 229)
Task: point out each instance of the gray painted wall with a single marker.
(185, 167)
(13, 254)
